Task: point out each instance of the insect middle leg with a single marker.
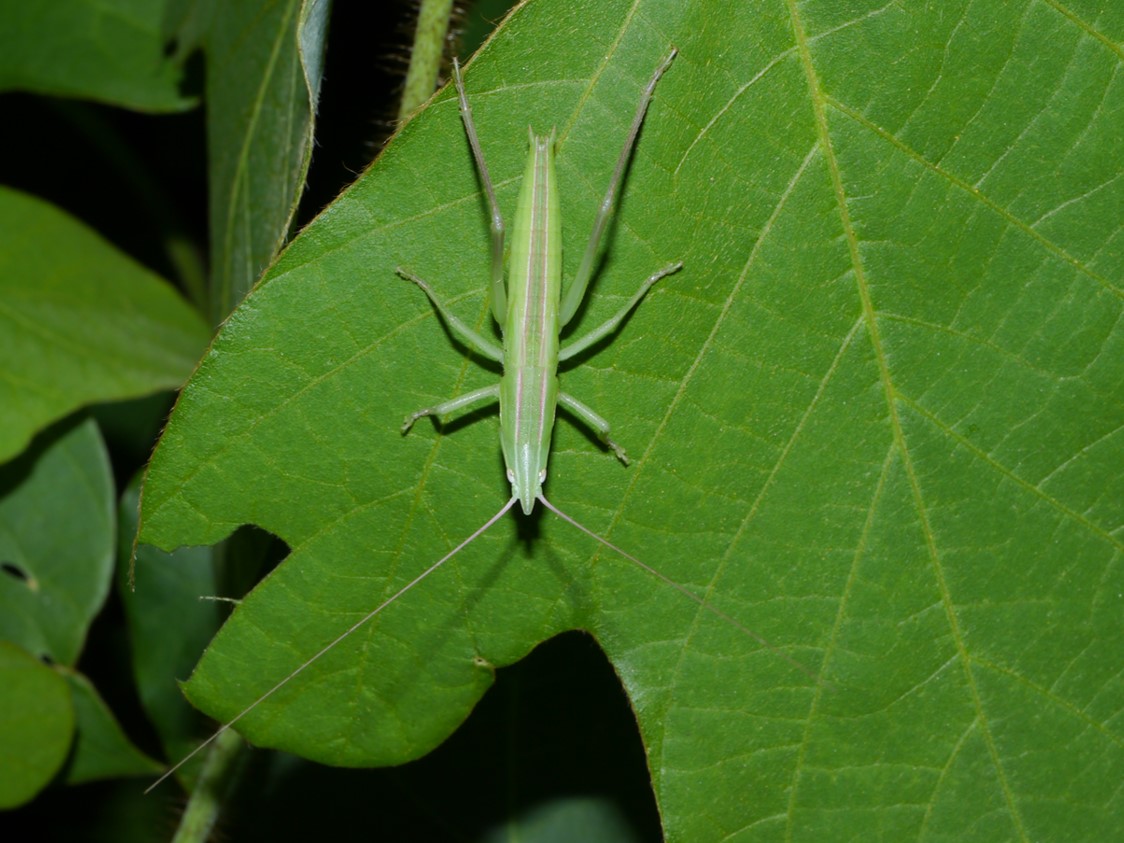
(600, 332)
(596, 422)
(477, 396)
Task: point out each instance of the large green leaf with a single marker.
(876, 418)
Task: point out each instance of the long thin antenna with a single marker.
(764, 642)
(479, 531)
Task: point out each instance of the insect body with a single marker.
(531, 310)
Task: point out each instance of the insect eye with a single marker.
(542, 476)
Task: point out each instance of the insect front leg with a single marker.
(596, 422)
(599, 333)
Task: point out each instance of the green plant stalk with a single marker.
(425, 58)
(210, 791)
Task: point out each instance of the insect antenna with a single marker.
(339, 638)
(686, 592)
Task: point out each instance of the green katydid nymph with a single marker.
(530, 306)
(532, 311)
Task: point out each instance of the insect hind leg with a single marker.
(599, 333)
(573, 298)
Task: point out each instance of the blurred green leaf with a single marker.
(36, 724)
(876, 418)
(586, 818)
(112, 51)
(56, 541)
(168, 585)
(80, 322)
(264, 63)
(101, 750)
(56, 547)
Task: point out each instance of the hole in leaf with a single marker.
(552, 743)
(14, 571)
